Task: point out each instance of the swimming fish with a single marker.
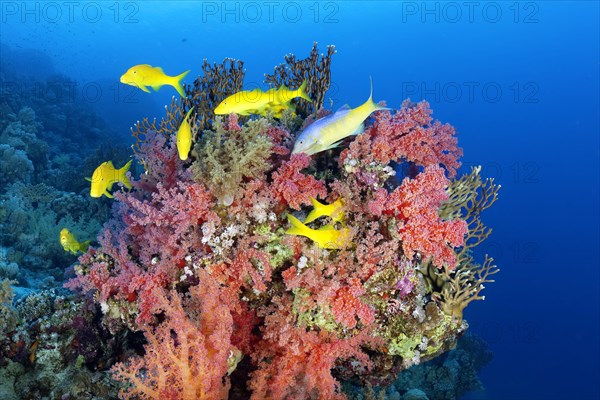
(256, 101)
(333, 210)
(183, 139)
(144, 75)
(245, 102)
(327, 237)
(70, 243)
(105, 176)
(328, 132)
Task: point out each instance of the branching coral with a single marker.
(208, 90)
(314, 69)
(462, 286)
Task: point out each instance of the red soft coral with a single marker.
(296, 364)
(347, 306)
(415, 203)
(294, 188)
(408, 135)
(186, 355)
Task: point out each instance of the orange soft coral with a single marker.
(186, 355)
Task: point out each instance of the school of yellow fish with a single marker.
(324, 134)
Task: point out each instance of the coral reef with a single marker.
(448, 377)
(196, 257)
(48, 146)
(53, 348)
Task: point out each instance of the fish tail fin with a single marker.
(122, 175)
(301, 92)
(316, 212)
(372, 105)
(84, 246)
(298, 228)
(187, 116)
(177, 83)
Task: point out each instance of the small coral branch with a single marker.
(464, 285)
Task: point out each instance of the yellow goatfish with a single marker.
(328, 132)
(327, 237)
(183, 139)
(144, 75)
(105, 176)
(256, 101)
(70, 243)
(246, 102)
(333, 210)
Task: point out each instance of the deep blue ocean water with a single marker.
(519, 81)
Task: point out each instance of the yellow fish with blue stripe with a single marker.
(326, 237)
(143, 76)
(328, 132)
(105, 176)
(183, 139)
(333, 210)
(71, 244)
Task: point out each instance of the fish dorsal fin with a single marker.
(159, 69)
(88, 179)
(343, 108)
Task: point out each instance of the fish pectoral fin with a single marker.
(359, 130)
(333, 145)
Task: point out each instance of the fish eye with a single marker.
(135, 72)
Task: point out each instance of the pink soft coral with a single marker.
(294, 188)
(415, 203)
(408, 135)
(186, 354)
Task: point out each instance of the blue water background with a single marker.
(519, 81)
